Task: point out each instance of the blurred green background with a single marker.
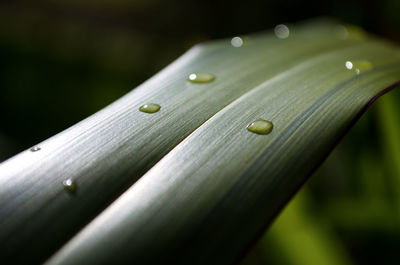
(62, 60)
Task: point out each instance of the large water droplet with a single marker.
(70, 185)
(35, 149)
(359, 66)
(237, 42)
(150, 108)
(260, 126)
(201, 78)
(282, 31)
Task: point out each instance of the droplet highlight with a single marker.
(150, 108)
(201, 78)
(237, 42)
(35, 149)
(359, 66)
(349, 65)
(282, 31)
(70, 185)
(260, 127)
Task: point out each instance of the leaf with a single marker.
(219, 185)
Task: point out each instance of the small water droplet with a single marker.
(237, 42)
(35, 149)
(359, 66)
(282, 31)
(150, 108)
(349, 65)
(260, 127)
(341, 32)
(356, 33)
(70, 185)
(350, 32)
(201, 78)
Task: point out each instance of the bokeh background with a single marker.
(62, 60)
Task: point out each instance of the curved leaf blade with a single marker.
(110, 150)
(213, 194)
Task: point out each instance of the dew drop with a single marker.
(150, 108)
(70, 185)
(35, 149)
(201, 78)
(356, 33)
(359, 66)
(237, 42)
(282, 31)
(349, 65)
(260, 127)
(341, 32)
(349, 32)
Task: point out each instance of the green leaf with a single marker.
(216, 184)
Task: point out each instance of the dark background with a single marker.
(62, 60)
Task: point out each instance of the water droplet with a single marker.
(359, 66)
(341, 32)
(237, 42)
(356, 33)
(201, 78)
(350, 32)
(70, 185)
(349, 65)
(35, 149)
(260, 127)
(150, 108)
(281, 31)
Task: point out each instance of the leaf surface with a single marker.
(212, 186)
